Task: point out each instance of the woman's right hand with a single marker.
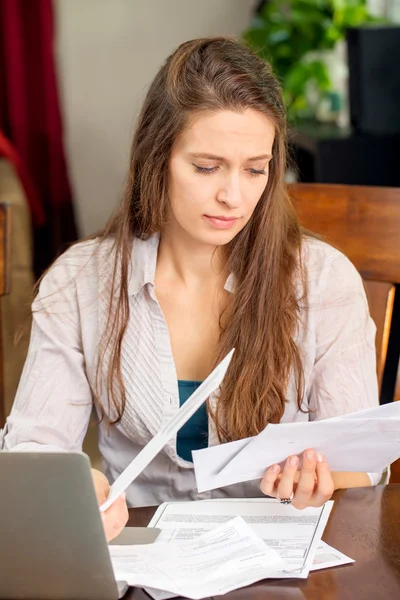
(116, 516)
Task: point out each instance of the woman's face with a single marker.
(218, 172)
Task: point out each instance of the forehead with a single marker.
(226, 132)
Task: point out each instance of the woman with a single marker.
(204, 254)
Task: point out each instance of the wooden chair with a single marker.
(364, 223)
(5, 236)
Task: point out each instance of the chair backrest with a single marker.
(5, 278)
(364, 223)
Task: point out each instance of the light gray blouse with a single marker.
(54, 399)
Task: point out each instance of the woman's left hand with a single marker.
(311, 486)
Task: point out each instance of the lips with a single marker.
(221, 218)
(220, 222)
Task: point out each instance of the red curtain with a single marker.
(30, 117)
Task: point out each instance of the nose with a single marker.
(230, 192)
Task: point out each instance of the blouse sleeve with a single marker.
(344, 377)
(53, 404)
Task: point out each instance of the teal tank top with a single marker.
(194, 434)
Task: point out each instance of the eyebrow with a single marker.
(214, 157)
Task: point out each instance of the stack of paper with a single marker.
(366, 441)
(210, 547)
(294, 534)
(226, 558)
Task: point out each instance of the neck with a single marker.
(183, 259)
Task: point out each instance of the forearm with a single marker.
(350, 480)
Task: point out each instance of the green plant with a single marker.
(286, 32)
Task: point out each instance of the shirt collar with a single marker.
(144, 262)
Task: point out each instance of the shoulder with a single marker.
(79, 266)
(328, 271)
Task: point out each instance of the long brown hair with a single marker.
(264, 258)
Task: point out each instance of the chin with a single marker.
(217, 238)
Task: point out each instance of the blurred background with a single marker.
(73, 75)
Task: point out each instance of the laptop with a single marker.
(52, 542)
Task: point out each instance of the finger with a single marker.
(101, 485)
(285, 486)
(114, 521)
(115, 518)
(325, 486)
(306, 485)
(101, 495)
(118, 512)
(268, 482)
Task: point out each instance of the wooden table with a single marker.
(365, 525)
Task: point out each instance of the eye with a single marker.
(256, 172)
(204, 170)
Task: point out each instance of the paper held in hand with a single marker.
(150, 451)
(366, 441)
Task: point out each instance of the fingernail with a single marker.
(123, 496)
(275, 468)
(320, 458)
(293, 460)
(310, 454)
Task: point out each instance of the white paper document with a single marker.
(366, 441)
(150, 451)
(189, 520)
(327, 557)
(294, 534)
(226, 558)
